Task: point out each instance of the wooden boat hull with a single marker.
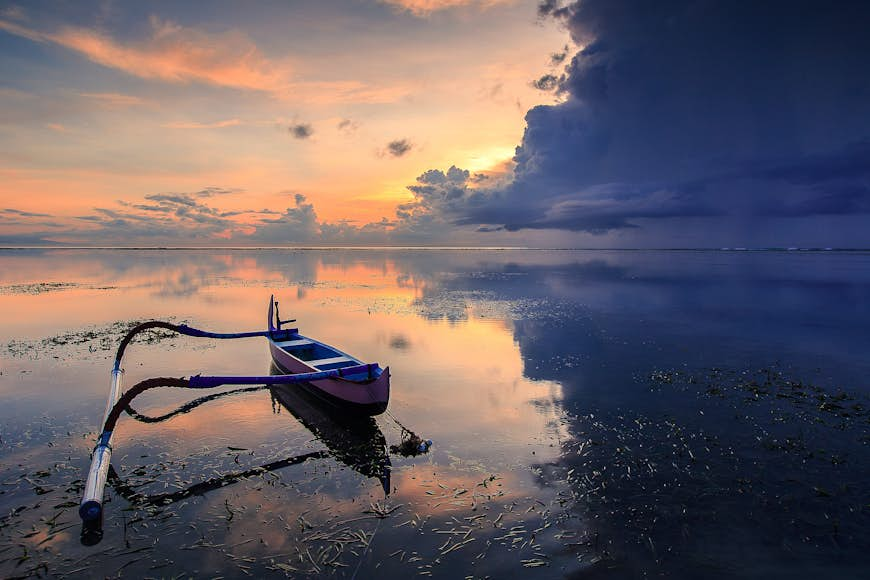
(363, 398)
(364, 395)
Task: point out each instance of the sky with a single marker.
(597, 123)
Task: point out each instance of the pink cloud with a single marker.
(115, 100)
(426, 7)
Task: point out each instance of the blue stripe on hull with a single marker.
(338, 405)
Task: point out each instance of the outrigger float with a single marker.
(340, 381)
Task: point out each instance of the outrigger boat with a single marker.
(357, 390)
(348, 385)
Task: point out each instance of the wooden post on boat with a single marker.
(91, 508)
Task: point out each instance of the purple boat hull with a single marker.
(362, 394)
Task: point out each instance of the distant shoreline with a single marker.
(428, 248)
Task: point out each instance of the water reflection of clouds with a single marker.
(557, 302)
(677, 308)
(179, 273)
(488, 350)
(399, 342)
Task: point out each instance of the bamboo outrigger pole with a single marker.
(91, 507)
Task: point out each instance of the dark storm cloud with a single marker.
(829, 184)
(852, 162)
(436, 186)
(547, 82)
(399, 147)
(558, 58)
(301, 130)
(551, 8)
(688, 108)
(436, 194)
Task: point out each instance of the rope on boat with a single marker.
(412, 444)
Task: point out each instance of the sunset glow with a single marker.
(104, 109)
(442, 288)
(430, 123)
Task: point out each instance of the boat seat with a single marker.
(328, 361)
(298, 342)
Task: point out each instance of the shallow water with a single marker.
(594, 414)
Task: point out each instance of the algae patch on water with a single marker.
(80, 342)
(43, 287)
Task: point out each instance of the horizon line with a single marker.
(444, 248)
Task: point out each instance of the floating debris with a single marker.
(411, 446)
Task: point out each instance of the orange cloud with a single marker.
(178, 54)
(175, 53)
(195, 125)
(348, 92)
(19, 30)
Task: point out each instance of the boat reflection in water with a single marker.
(355, 441)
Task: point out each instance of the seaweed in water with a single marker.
(66, 345)
(411, 445)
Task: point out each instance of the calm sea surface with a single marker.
(593, 414)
